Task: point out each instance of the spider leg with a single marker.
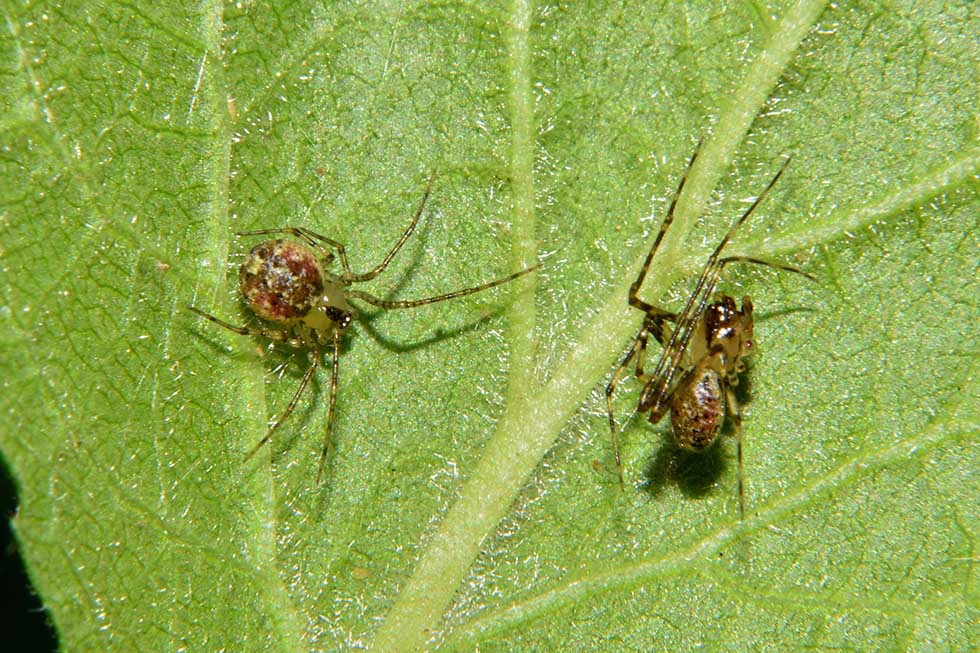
(736, 413)
(367, 276)
(271, 334)
(386, 304)
(656, 325)
(327, 441)
(639, 343)
(641, 350)
(635, 287)
(778, 266)
(289, 409)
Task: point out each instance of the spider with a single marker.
(703, 354)
(289, 284)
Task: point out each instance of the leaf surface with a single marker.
(472, 499)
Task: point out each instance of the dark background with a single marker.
(23, 623)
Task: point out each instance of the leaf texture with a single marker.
(471, 502)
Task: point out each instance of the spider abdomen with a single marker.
(280, 280)
(697, 411)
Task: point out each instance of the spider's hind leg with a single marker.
(736, 414)
(278, 335)
(652, 324)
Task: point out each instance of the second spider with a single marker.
(289, 284)
(703, 353)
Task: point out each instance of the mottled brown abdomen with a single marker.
(280, 280)
(697, 411)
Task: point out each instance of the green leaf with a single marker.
(472, 500)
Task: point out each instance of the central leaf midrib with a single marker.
(261, 548)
